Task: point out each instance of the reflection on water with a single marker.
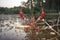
(7, 27)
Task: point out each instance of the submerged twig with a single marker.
(51, 27)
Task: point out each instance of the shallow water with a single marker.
(7, 28)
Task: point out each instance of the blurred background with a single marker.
(10, 19)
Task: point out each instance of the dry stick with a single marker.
(58, 24)
(50, 27)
